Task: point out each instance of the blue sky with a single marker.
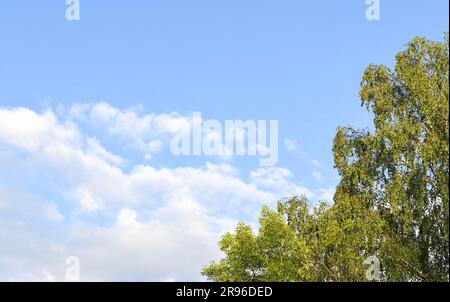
(298, 62)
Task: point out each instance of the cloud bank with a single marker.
(71, 184)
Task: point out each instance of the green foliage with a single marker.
(391, 202)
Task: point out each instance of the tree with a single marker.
(391, 202)
(401, 170)
(280, 251)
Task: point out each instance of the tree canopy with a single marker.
(392, 199)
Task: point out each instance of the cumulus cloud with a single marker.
(70, 195)
(96, 149)
(317, 175)
(143, 132)
(277, 180)
(290, 145)
(23, 128)
(327, 194)
(88, 202)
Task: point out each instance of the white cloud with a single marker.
(277, 180)
(127, 218)
(29, 228)
(173, 245)
(222, 168)
(23, 128)
(327, 194)
(88, 201)
(154, 146)
(317, 175)
(290, 145)
(121, 122)
(96, 149)
(123, 224)
(144, 132)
